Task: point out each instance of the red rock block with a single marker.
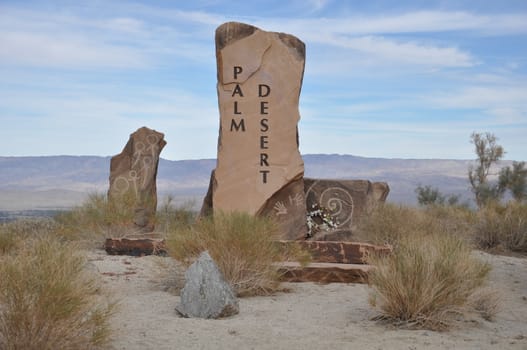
(323, 272)
(339, 252)
(135, 246)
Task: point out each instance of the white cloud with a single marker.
(491, 98)
(61, 50)
(317, 5)
(406, 52)
(410, 22)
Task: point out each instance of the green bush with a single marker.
(48, 300)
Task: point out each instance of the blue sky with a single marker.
(392, 79)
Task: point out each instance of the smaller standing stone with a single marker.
(206, 293)
(133, 175)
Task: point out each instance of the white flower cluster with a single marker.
(318, 219)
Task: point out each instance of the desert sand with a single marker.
(308, 316)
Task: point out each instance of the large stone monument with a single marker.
(133, 175)
(259, 167)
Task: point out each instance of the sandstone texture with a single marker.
(206, 293)
(133, 175)
(259, 167)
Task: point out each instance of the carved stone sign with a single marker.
(133, 175)
(346, 200)
(259, 168)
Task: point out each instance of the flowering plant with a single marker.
(319, 218)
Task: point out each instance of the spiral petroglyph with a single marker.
(340, 204)
(337, 200)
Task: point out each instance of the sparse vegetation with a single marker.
(426, 281)
(502, 227)
(98, 218)
(488, 153)
(47, 298)
(431, 275)
(170, 216)
(426, 196)
(515, 180)
(14, 233)
(242, 246)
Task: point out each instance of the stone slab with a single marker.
(324, 272)
(339, 252)
(135, 246)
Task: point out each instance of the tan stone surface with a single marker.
(259, 79)
(287, 207)
(133, 175)
(380, 191)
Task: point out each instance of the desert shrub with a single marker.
(14, 233)
(48, 300)
(456, 220)
(98, 218)
(425, 281)
(502, 227)
(170, 216)
(485, 302)
(242, 246)
(388, 223)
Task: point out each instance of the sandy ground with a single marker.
(310, 316)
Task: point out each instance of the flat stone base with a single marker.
(333, 262)
(324, 272)
(339, 252)
(135, 246)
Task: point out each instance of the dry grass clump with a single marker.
(13, 233)
(242, 246)
(48, 300)
(426, 281)
(98, 218)
(170, 216)
(502, 227)
(389, 223)
(431, 276)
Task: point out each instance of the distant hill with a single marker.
(28, 183)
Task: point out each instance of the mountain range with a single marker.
(59, 182)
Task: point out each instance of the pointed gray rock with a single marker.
(206, 293)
